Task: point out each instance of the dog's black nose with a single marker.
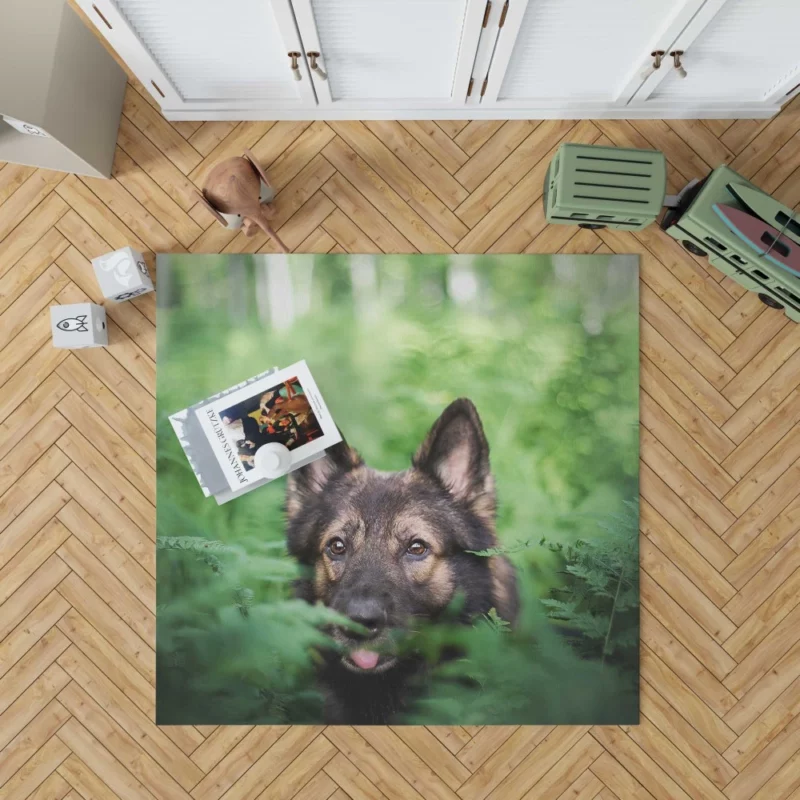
(366, 611)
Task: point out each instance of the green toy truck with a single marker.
(700, 230)
(609, 187)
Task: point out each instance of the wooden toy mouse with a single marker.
(233, 188)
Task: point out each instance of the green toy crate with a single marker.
(697, 226)
(598, 187)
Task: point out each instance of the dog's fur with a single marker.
(446, 504)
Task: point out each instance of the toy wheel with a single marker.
(693, 248)
(592, 226)
(769, 301)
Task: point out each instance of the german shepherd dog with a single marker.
(384, 548)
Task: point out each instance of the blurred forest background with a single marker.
(547, 349)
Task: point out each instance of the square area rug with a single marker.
(467, 554)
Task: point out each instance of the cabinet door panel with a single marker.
(580, 51)
(748, 52)
(562, 53)
(208, 53)
(384, 53)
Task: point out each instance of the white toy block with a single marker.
(122, 274)
(78, 325)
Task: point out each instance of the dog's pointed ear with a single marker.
(305, 483)
(455, 452)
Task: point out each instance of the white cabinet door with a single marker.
(208, 54)
(390, 54)
(746, 51)
(562, 54)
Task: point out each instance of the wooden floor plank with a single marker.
(107, 586)
(30, 230)
(128, 644)
(159, 204)
(153, 161)
(683, 411)
(12, 176)
(768, 725)
(619, 782)
(683, 519)
(476, 133)
(763, 365)
(28, 536)
(769, 578)
(372, 764)
(37, 769)
(33, 300)
(356, 785)
(501, 180)
(237, 762)
(427, 169)
(664, 752)
(684, 736)
(437, 143)
(18, 205)
(526, 188)
(30, 630)
(510, 753)
(30, 266)
(681, 554)
(384, 198)
(31, 738)
(681, 372)
(773, 392)
(33, 591)
(120, 744)
(680, 588)
(160, 132)
(691, 634)
(98, 761)
(353, 204)
(492, 153)
(117, 705)
(82, 781)
(639, 764)
(765, 692)
(379, 158)
(101, 653)
(31, 484)
(693, 676)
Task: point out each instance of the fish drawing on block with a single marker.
(119, 265)
(763, 238)
(77, 324)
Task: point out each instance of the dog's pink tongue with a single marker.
(365, 659)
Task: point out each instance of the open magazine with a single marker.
(221, 434)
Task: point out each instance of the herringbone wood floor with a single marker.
(720, 471)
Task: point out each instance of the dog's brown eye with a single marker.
(417, 548)
(337, 547)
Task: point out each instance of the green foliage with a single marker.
(496, 622)
(504, 550)
(599, 599)
(529, 676)
(205, 550)
(233, 646)
(548, 352)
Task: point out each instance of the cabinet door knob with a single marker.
(295, 67)
(312, 57)
(657, 55)
(676, 60)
